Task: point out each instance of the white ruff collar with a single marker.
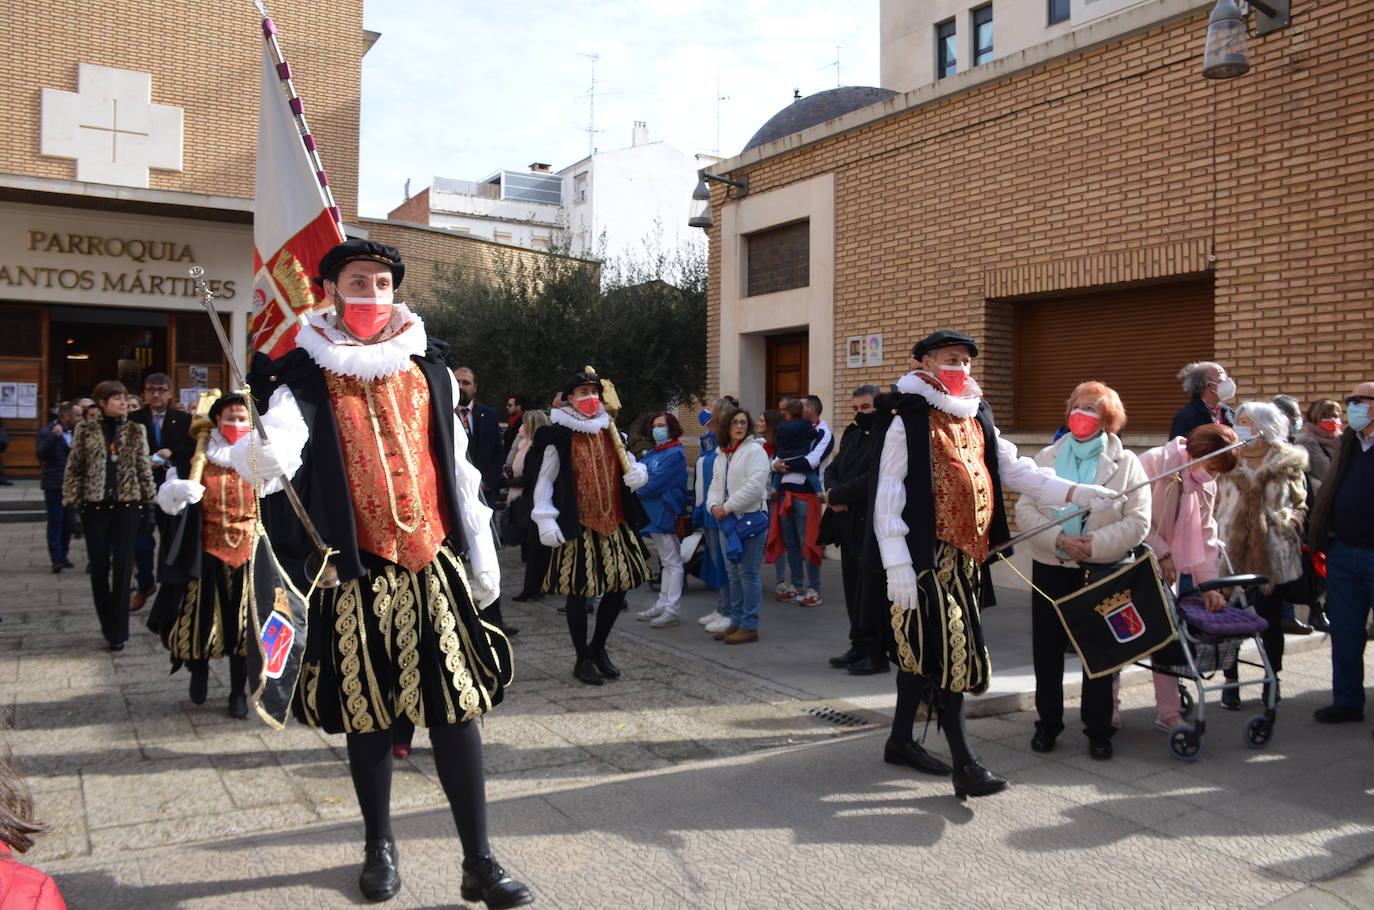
(562, 417)
(965, 405)
(217, 449)
(338, 353)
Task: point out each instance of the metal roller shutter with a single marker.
(1135, 339)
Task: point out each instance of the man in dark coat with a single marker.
(484, 432)
(169, 439)
(846, 496)
(53, 445)
(515, 414)
(1210, 388)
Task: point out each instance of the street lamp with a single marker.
(1225, 56)
(701, 198)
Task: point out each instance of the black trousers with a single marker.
(1048, 640)
(111, 529)
(536, 557)
(1269, 606)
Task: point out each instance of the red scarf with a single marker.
(811, 550)
(668, 445)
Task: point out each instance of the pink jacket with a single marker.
(24, 887)
(1182, 519)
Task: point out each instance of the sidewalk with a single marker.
(701, 780)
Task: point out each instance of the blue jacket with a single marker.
(664, 495)
(52, 452)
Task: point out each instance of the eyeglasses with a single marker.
(739, 422)
(1358, 399)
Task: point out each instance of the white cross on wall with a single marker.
(111, 127)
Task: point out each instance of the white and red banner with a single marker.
(294, 218)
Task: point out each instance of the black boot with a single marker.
(238, 706)
(913, 756)
(847, 658)
(604, 666)
(869, 665)
(380, 878)
(484, 880)
(586, 671)
(975, 780)
(200, 681)
(1045, 735)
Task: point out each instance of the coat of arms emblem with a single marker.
(1122, 617)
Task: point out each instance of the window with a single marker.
(542, 242)
(501, 236)
(982, 34)
(580, 188)
(1059, 11)
(778, 259)
(946, 60)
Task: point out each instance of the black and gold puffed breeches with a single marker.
(400, 643)
(594, 563)
(942, 639)
(209, 618)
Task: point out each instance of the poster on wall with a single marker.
(874, 350)
(856, 351)
(189, 398)
(28, 400)
(200, 376)
(9, 400)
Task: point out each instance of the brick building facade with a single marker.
(1089, 208)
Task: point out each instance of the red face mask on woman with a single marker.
(233, 432)
(1331, 425)
(1083, 424)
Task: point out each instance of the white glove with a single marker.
(1094, 497)
(901, 586)
(637, 476)
(549, 535)
(486, 587)
(250, 455)
(175, 495)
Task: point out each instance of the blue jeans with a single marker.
(716, 553)
(794, 538)
(1349, 598)
(746, 591)
(59, 528)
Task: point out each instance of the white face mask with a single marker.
(1226, 389)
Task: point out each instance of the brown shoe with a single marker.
(138, 599)
(742, 637)
(726, 633)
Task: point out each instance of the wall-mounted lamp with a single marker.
(1225, 56)
(701, 198)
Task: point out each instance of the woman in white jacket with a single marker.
(1090, 452)
(739, 487)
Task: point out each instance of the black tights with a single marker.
(912, 690)
(238, 672)
(606, 615)
(458, 759)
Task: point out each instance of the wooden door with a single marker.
(197, 361)
(787, 372)
(23, 398)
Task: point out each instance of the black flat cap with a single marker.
(223, 402)
(333, 262)
(582, 378)
(943, 339)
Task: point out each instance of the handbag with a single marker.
(682, 526)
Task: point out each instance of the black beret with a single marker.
(333, 262)
(223, 402)
(943, 339)
(583, 378)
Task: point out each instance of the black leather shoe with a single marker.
(975, 780)
(1318, 621)
(484, 880)
(586, 671)
(913, 756)
(116, 646)
(1100, 749)
(604, 665)
(1230, 699)
(510, 631)
(845, 659)
(869, 665)
(56, 568)
(1043, 740)
(525, 597)
(238, 706)
(68, 564)
(381, 877)
(200, 684)
(1337, 714)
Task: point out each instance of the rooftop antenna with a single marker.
(719, 99)
(835, 63)
(591, 129)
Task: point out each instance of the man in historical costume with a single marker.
(200, 612)
(937, 508)
(586, 510)
(361, 418)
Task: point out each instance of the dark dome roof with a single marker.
(817, 108)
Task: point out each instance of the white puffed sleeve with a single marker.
(1024, 476)
(476, 515)
(890, 500)
(544, 510)
(287, 434)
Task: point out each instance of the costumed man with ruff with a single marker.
(361, 418)
(937, 509)
(586, 510)
(200, 612)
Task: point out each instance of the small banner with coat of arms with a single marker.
(278, 614)
(1118, 619)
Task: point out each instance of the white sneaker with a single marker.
(786, 594)
(783, 587)
(810, 598)
(652, 613)
(709, 618)
(665, 621)
(720, 625)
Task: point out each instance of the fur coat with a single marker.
(1260, 514)
(84, 481)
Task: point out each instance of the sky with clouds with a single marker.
(461, 88)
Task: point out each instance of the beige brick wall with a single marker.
(204, 57)
(1118, 164)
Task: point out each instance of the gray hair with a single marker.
(870, 390)
(1268, 420)
(1288, 405)
(1195, 375)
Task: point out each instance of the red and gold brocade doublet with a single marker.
(963, 486)
(596, 473)
(393, 476)
(227, 512)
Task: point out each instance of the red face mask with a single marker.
(955, 378)
(1083, 424)
(589, 405)
(233, 432)
(366, 316)
(1331, 425)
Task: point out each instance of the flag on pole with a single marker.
(295, 220)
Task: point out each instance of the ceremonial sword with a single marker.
(328, 575)
(1126, 492)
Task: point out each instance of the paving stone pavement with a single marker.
(691, 783)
